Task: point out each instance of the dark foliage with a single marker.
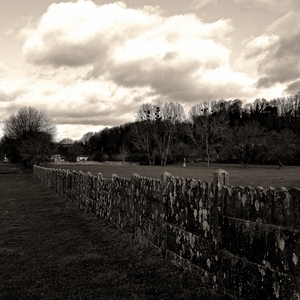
(28, 138)
(261, 132)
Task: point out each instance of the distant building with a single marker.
(57, 157)
(82, 158)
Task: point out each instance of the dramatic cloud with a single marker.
(91, 66)
(80, 102)
(138, 49)
(293, 87)
(276, 53)
(76, 34)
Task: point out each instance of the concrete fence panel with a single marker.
(244, 242)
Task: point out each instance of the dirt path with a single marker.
(51, 250)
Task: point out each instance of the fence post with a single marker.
(113, 207)
(136, 211)
(165, 177)
(220, 178)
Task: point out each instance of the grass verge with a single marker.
(264, 176)
(51, 250)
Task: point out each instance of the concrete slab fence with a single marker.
(244, 242)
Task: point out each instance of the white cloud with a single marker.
(76, 131)
(134, 48)
(72, 102)
(92, 66)
(79, 33)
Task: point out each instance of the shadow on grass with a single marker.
(51, 250)
(8, 169)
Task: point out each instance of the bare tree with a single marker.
(154, 131)
(200, 110)
(66, 142)
(123, 152)
(27, 122)
(31, 133)
(142, 134)
(245, 142)
(281, 146)
(171, 113)
(142, 139)
(207, 128)
(148, 112)
(86, 137)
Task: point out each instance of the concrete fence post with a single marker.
(220, 178)
(135, 191)
(165, 178)
(113, 209)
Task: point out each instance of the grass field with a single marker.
(265, 176)
(49, 249)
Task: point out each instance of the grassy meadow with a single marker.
(259, 175)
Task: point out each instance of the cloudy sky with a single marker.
(91, 64)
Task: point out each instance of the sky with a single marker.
(92, 64)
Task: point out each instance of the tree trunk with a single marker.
(149, 159)
(168, 144)
(207, 150)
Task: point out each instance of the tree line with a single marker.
(228, 131)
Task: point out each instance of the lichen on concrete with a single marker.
(244, 241)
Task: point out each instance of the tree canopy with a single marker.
(28, 137)
(227, 131)
(260, 132)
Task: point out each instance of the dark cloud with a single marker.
(108, 118)
(6, 97)
(288, 45)
(9, 97)
(60, 52)
(277, 52)
(278, 71)
(293, 88)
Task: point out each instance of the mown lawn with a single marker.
(265, 176)
(49, 249)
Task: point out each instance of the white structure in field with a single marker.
(82, 158)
